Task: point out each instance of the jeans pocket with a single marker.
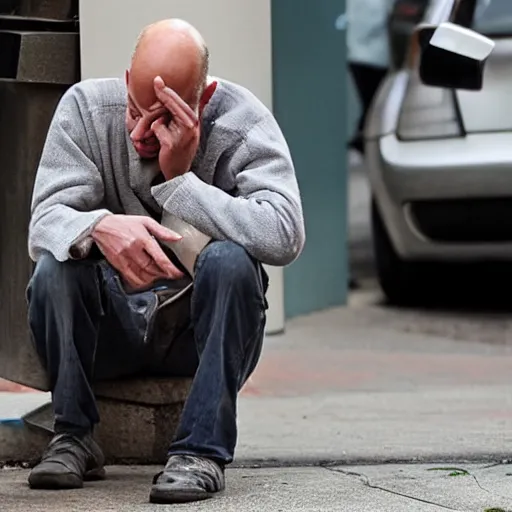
(143, 308)
(136, 310)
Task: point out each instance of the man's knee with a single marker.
(228, 265)
(53, 279)
(45, 274)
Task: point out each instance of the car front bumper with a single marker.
(402, 174)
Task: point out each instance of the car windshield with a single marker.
(495, 18)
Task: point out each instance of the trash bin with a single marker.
(39, 60)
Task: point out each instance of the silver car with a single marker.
(440, 160)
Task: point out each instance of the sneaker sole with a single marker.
(52, 481)
(162, 496)
(95, 474)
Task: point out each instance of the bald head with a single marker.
(174, 50)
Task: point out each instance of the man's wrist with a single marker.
(174, 174)
(97, 227)
(94, 230)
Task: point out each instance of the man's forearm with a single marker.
(269, 228)
(62, 231)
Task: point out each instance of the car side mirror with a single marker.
(452, 56)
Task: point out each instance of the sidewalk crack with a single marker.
(366, 481)
(483, 488)
(499, 495)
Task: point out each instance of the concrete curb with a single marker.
(492, 458)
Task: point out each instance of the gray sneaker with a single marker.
(187, 478)
(67, 462)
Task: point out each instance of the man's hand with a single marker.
(179, 140)
(129, 245)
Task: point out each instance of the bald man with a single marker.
(156, 201)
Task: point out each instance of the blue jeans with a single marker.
(86, 328)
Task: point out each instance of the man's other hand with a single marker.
(129, 244)
(179, 139)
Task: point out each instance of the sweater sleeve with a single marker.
(263, 214)
(68, 187)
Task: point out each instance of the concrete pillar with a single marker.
(309, 74)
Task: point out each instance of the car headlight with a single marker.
(428, 112)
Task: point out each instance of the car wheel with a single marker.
(404, 283)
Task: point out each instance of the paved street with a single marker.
(364, 408)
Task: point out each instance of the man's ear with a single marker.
(206, 97)
(127, 77)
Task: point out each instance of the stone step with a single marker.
(138, 421)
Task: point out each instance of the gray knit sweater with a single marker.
(241, 187)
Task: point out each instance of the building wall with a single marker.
(240, 44)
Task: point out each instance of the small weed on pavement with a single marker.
(457, 472)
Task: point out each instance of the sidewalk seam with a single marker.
(490, 459)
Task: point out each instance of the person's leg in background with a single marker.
(368, 56)
(83, 328)
(367, 80)
(228, 320)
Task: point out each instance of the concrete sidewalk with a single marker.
(389, 488)
(361, 385)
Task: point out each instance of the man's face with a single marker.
(142, 110)
(138, 124)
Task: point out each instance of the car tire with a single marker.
(404, 283)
